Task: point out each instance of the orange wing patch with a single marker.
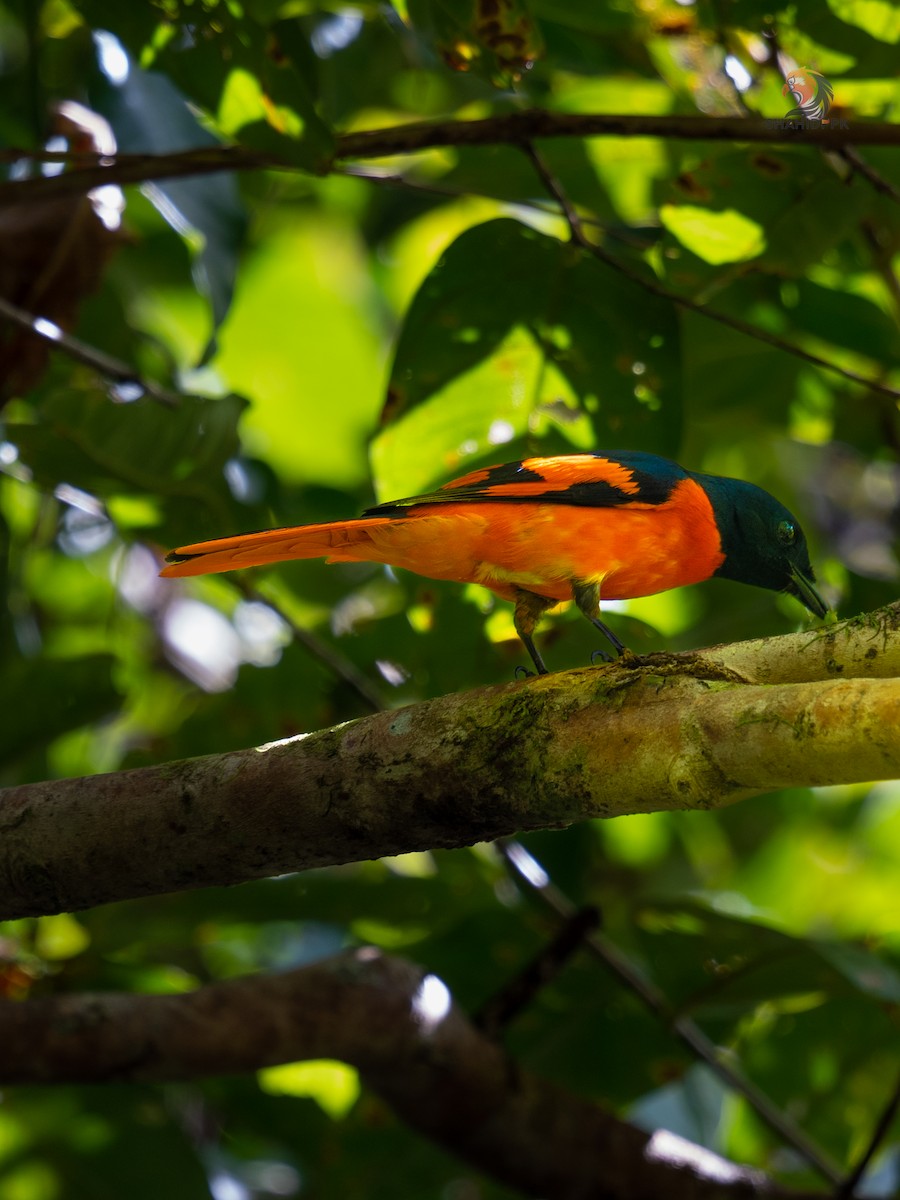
(533, 476)
(584, 468)
(583, 480)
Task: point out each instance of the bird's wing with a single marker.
(588, 480)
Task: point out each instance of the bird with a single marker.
(540, 531)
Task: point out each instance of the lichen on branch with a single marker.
(641, 735)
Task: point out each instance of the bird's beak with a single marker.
(802, 588)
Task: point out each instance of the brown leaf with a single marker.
(53, 254)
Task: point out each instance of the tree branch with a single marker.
(650, 284)
(512, 128)
(867, 646)
(686, 732)
(412, 1046)
(529, 873)
(414, 136)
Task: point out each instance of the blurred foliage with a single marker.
(372, 332)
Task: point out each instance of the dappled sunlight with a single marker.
(667, 1147)
(203, 642)
(431, 1004)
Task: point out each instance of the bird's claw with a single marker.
(522, 673)
(600, 656)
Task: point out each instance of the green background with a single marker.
(360, 333)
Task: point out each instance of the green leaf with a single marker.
(841, 318)
(869, 974)
(333, 1085)
(105, 448)
(59, 937)
(716, 237)
(512, 333)
(783, 209)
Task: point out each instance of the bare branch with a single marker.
(867, 646)
(519, 992)
(509, 128)
(400, 1028)
(96, 170)
(847, 1190)
(112, 368)
(342, 668)
(455, 770)
(536, 123)
(512, 128)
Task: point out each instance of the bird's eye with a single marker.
(785, 531)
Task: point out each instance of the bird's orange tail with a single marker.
(340, 541)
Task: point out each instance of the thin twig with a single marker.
(327, 655)
(628, 235)
(883, 260)
(850, 1184)
(657, 289)
(857, 163)
(97, 170)
(112, 368)
(558, 193)
(527, 869)
(515, 996)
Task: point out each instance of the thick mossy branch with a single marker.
(863, 647)
(412, 1046)
(671, 732)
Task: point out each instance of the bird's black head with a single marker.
(762, 541)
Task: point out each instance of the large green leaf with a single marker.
(512, 331)
(106, 448)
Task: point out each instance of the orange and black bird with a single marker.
(537, 532)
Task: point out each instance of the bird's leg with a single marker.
(529, 609)
(587, 597)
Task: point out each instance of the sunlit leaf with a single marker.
(333, 1085)
(60, 937)
(717, 237)
(512, 327)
